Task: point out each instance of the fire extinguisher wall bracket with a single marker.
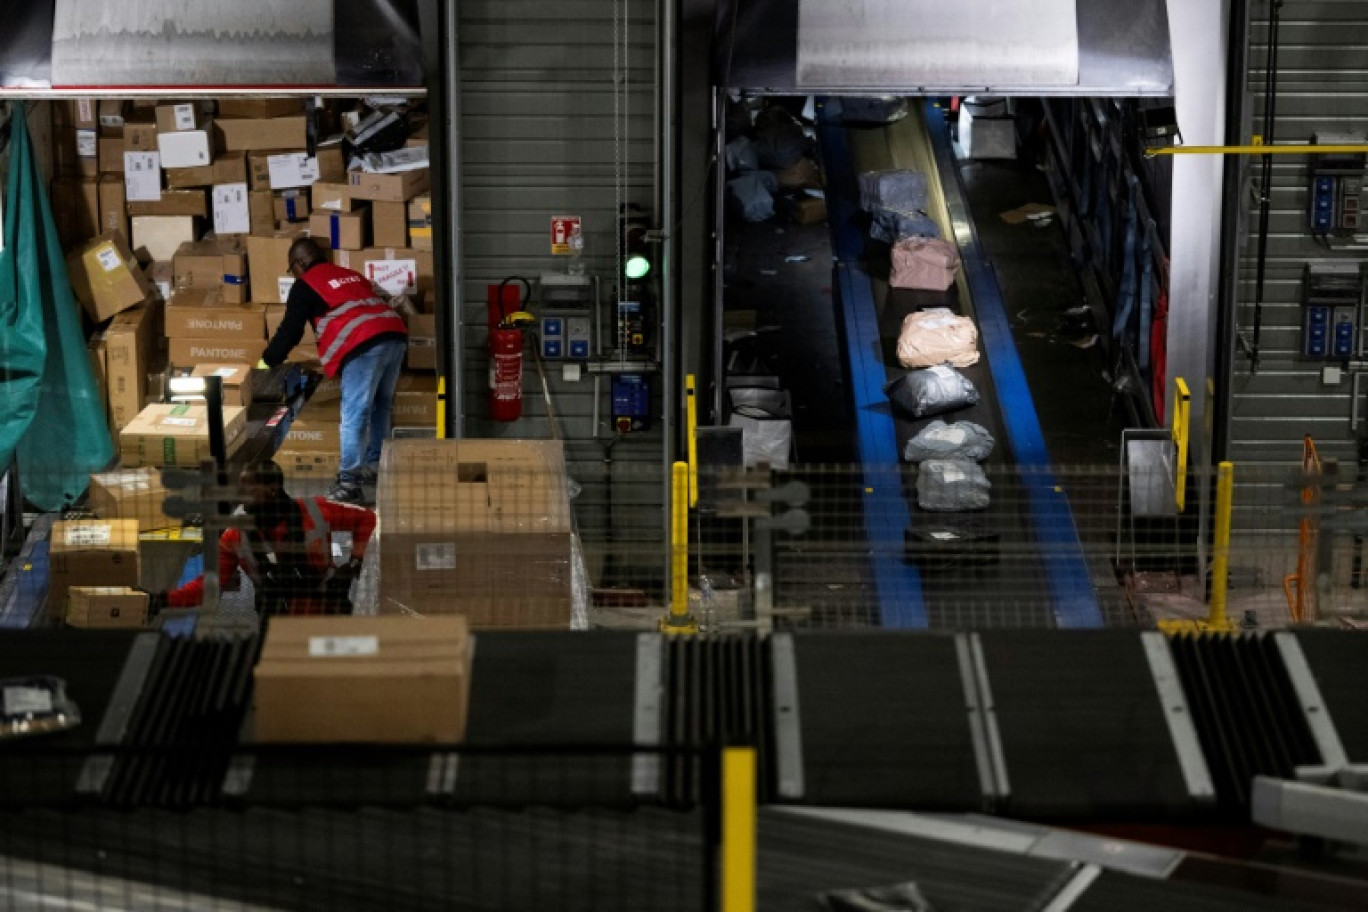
(505, 353)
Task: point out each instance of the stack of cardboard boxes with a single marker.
(193, 206)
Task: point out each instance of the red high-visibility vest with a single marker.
(354, 315)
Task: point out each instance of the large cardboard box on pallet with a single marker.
(476, 527)
(415, 401)
(90, 552)
(339, 679)
(166, 434)
(202, 313)
(106, 607)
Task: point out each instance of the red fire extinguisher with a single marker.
(505, 352)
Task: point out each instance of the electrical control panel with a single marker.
(565, 335)
(632, 332)
(1332, 307)
(631, 409)
(1336, 186)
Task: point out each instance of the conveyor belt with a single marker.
(1338, 664)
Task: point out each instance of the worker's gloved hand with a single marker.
(156, 603)
(262, 365)
(348, 572)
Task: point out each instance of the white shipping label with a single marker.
(109, 259)
(128, 481)
(953, 475)
(185, 116)
(944, 536)
(111, 120)
(85, 110)
(435, 556)
(344, 646)
(293, 169)
(394, 276)
(232, 215)
(174, 421)
(283, 286)
(948, 434)
(21, 701)
(226, 371)
(142, 177)
(87, 143)
(87, 536)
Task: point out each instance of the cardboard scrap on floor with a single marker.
(1031, 212)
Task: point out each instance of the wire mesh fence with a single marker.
(498, 531)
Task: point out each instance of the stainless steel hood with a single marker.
(1123, 50)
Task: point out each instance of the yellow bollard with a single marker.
(1182, 419)
(1225, 496)
(441, 408)
(738, 829)
(679, 619)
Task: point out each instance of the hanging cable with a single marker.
(1266, 174)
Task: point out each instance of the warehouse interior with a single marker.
(862, 456)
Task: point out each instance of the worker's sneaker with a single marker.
(366, 477)
(345, 492)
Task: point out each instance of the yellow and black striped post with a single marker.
(679, 619)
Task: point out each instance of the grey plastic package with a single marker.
(901, 191)
(959, 440)
(951, 486)
(931, 391)
(752, 195)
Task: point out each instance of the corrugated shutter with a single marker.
(537, 140)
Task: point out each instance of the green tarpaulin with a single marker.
(52, 418)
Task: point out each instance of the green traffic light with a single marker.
(636, 267)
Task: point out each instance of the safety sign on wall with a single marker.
(565, 235)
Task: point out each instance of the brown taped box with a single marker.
(111, 154)
(291, 205)
(176, 434)
(113, 206)
(76, 209)
(275, 314)
(236, 379)
(343, 679)
(226, 169)
(90, 552)
(128, 355)
(415, 401)
(392, 188)
(113, 113)
(140, 137)
(106, 607)
(158, 237)
(131, 494)
(422, 262)
(422, 342)
(476, 527)
(105, 277)
(173, 117)
(250, 134)
(187, 350)
(317, 428)
(389, 224)
(215, 263)
(337, 230)
(259, 108)
(192, 201)
(327, 195)
(202, 313)
(329, 389)
(809, 210)
(308, 464)
(268, 258)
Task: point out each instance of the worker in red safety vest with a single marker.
(361, 338)
(287, 553)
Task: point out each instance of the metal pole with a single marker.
(665, 190)
(450, 58)
(217, 476)
(1225, 488)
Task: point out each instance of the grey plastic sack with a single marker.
(779, 139)
(764, 438)
(951, 486)
(741, 155)
(933, 391)
(961, 440)
(901, 191)
(891, 226)
(752, 195)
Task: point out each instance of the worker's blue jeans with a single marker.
(368, 382)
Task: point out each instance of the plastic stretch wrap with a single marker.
(933, 391)
(962, 440)
(951, 486)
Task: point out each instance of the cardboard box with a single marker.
(422, 342)
(110, 152)
(291, 205)
(77, 112)
(415, 401)
(201, 313)
(186, 149)
(287, 170)
(340, 679)
(268, 258)
(389, 224)
(90, 552)
(213, 263)
(112, 114)
(106, 607)
(236, 378)
(106, 278)
(178, 117)
(317, 427)
(476, 527)
(261, 213)
(76, 209)
(140, 137)
(128, 353)
(340, 230)
(275, 313)
(131, 494)
(327, 195)
(420, 223)
(113, 203)
(163, 277)
(173, 202)
(185, 351)
(329, 389)
(142, 176)
(393, 188)
(259, 108)
(246, 134)
(158, 237)
(225, 169)
(308, 465)
(392, 262)
(95, 351)
(232, 214)
(809, 210)
(175, 434)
